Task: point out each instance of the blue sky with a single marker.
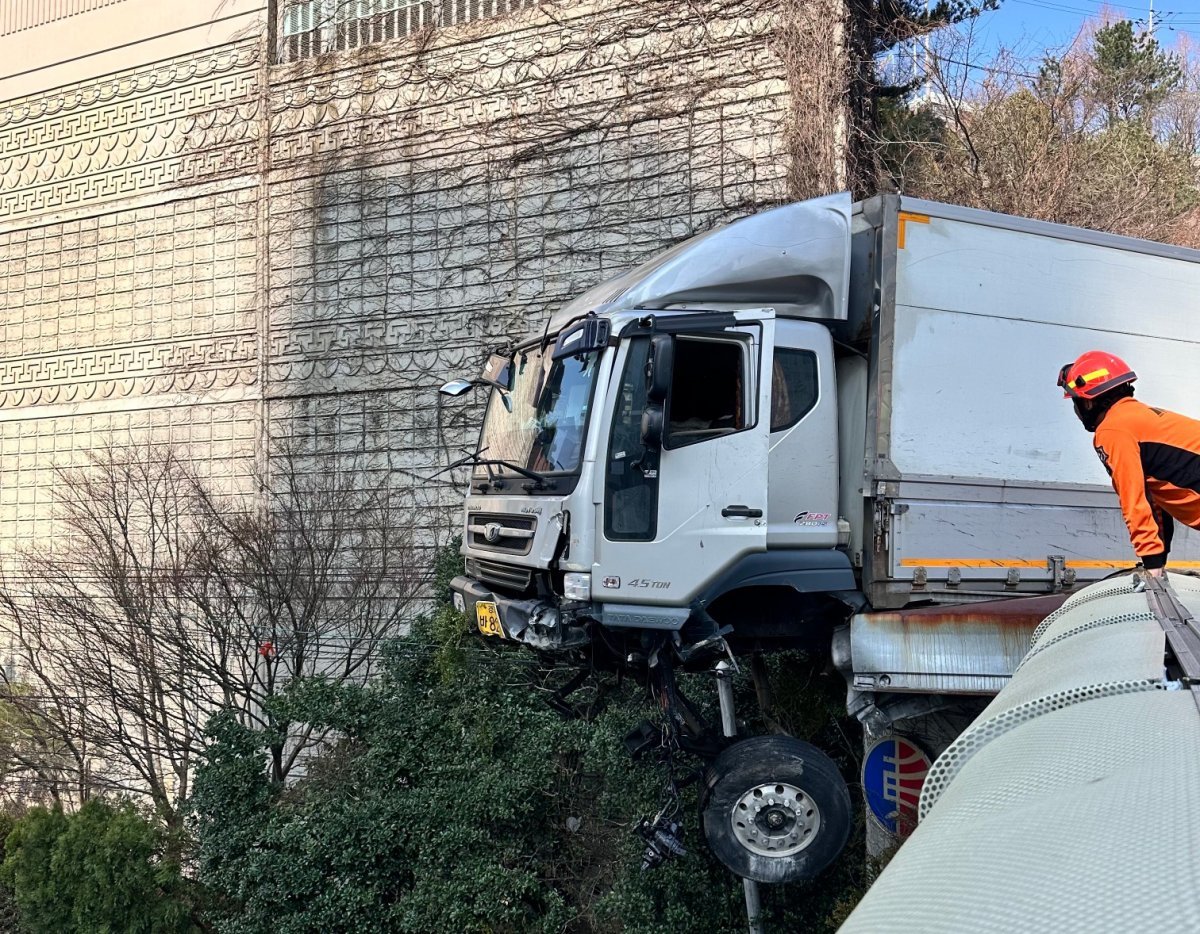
(1028, 30)
(1030, 27)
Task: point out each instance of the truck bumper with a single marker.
(537, 623)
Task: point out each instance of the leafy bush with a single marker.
(9, 916)
(456, 799)
(102, 869)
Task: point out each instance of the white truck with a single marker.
(832, 425)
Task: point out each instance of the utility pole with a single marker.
(924, 96)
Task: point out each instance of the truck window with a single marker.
(631, 478)
(794, 386)
(707, 395)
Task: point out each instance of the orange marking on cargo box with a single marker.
(1026, 563)
(906, 216)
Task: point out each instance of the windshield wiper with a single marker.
(540, 481)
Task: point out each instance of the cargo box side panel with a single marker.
(987, 469)
(996, 541)
(985, 317)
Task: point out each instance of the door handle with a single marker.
(741, 512)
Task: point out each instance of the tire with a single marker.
(792, 804)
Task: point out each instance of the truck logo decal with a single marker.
(812, 518)
(893, 772)
(649, 584)
(612, 583)
(491, 532)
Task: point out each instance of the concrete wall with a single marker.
(201, 247)
(129, 246)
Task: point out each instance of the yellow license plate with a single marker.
(487, 617)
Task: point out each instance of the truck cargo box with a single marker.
(976, 475)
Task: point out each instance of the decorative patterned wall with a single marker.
(129, 252)
(428, 205)
(188, 120)
(186, 252)
(148, 300)
(218, 436)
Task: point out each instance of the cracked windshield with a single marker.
(542, 426)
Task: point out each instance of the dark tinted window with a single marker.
(707, 398)
(794, 386)
(631, 506)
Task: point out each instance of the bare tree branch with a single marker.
(171, 599)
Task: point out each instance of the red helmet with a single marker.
(1094, 373)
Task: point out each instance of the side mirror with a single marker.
(659, 367)
(652, 425)
(498, 372)
(456, 387)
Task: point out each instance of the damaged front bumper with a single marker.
(537, 623)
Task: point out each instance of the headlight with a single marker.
(577, 586)
(459, 603)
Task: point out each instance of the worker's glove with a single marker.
(1139, 578)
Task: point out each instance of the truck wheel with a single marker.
(776, 809)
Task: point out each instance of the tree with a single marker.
(172, 598)
(909, 136)
(1178, 117)
(1133, 76)
(875, 27)
(1039, 143)
(10, 917)
(103, 868)
(36, 766)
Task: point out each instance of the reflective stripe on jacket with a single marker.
(1153, 458)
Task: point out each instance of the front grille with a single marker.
(500, 575)
(495, 532)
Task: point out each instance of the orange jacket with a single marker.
(1153, 458)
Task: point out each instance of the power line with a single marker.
(1171, 20)
(1063, 7)
(988, 68)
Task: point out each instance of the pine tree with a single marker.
(875, 27)
(1132, 74)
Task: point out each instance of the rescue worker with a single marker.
(1152, 456)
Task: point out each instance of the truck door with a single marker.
(804, 463)
(684, 491)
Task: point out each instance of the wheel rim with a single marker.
(775, 819)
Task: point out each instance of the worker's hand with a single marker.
(1156, 572)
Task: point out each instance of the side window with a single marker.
(707, 390)
(794, 386)
(631, 477)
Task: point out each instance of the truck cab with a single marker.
(671, 441)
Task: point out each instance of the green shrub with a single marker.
(456, 799)
(9, 916)
(103, 869)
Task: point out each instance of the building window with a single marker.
(300, 32)
(366, 22)
(16, 15)
(310, 27)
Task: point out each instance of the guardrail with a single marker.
(1072, 803)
